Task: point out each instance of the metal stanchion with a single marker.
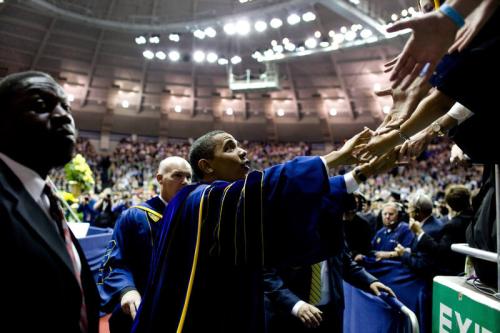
(497, 199)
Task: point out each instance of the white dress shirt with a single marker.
(34, 185)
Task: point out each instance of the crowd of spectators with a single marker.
(128, 171)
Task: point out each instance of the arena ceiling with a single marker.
(326, 91)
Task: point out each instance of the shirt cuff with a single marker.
(296, 307)
(350, 183)
(326, 165)
(460, 113)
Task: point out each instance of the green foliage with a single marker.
(78, 170)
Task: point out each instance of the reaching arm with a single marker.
(433, 34)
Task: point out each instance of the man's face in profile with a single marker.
(229, 162)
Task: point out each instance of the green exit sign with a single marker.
(458, 307)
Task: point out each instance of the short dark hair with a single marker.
(10, 83)
(202, 148)
(457, 197)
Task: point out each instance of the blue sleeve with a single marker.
(294, 205)
(281, 298)
(115, 277)
(293, 200)
(355, 274)
(406, 236)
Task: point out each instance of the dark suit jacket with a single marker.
(284, 287)
(448, 262)
(424, 263)
(39, 290)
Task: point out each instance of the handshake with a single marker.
(357, 151)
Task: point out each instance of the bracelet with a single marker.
(402, 136)
(452, 15)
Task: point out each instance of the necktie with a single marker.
(57, 214)
(315, 291)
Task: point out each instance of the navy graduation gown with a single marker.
(207, 265)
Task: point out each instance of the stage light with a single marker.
(235, 60)
(148, 54)
(308, 16)
(311, 43)
(210, 32)
(174, 55)
(276, 23)
(229, 28)
(154, 39)
(198, 56)
(260, 26)
(140, 40)
(293, 19)
(212, 57)
(161, 55)
(174, 37)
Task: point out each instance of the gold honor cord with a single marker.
(148, 210)
(436, 4)
(193, 268)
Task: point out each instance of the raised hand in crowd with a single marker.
(433, 34)
(473, 24)
(417, 144)
(404, 103)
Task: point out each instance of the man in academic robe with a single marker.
(217, 235)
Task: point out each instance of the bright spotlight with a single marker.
(276, 23)
(174, 55)
(222, 61)
(198, 56)
(311, 43)
(293, 19)
(174, 37)
(199, 34)
(260, 26)
(140, 40)
(161, 55)
(235, 60)
(210, 32)
(154, 39)
(242, 27)
(308, 16)
(148, 54)
(229, 28)
(212, 57)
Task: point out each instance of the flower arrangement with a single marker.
(78, 171)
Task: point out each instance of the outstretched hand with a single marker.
(377, 146)
(433, 34)
(416, 145)
(361, 138)
(473, 24)
(404, 104)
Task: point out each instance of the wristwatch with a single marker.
(436, 128)
(359, 174)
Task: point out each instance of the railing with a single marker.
(482, 254)
(396, 304)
